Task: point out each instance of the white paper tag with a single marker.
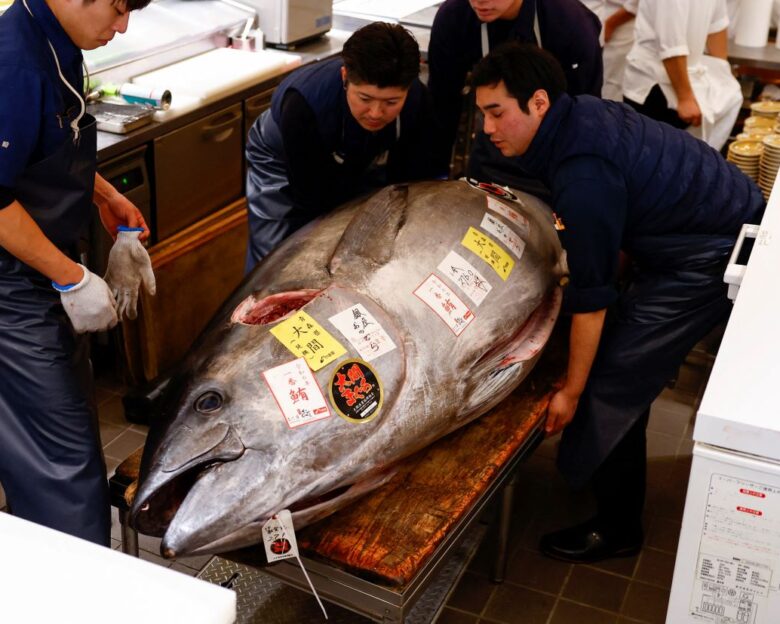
(445, 303)
(363, 331)
(296, 393)
(279, 537)
(466, 277)
(514, 216)
(280, 543)
(503, 233)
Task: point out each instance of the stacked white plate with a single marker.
(747, 156)
(769, 163)
(753, 134)
(755, 122)
(765, 108)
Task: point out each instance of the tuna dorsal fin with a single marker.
(371, 233)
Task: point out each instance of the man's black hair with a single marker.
(524, 68)
(130, 5)
(385, 55)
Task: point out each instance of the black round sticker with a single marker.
(355, 391)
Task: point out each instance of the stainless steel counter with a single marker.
(767, 57)
(111, 145)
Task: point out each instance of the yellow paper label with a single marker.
(490, 251)
(306, 338)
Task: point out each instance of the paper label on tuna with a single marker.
(306, 338)
(355, 391)
(490, 251)
(296, 393)
(504, 233)
(466, 277)
(445, 303)
(363, 331)
(279, 537)
(509, 213)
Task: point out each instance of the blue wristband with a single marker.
(124, 228)
(62, 287)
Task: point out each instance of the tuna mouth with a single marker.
(252, 311)
(153, 515)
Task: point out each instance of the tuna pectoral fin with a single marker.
(499, 371)
(371, 233)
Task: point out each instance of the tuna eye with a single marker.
(208, 402)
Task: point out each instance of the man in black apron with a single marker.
(466, 30)
(51, 465)
(620, 182)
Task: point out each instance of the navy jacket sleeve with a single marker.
(318, 184)
(448, 65)
(20, 121)
(570, 32)
(590, 197)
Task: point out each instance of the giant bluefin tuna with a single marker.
(364, 337)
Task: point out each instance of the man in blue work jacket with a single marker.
(466, 30)
(51, 464)
(620, 181)
(337, 129)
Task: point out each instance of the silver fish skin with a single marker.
(221, 459)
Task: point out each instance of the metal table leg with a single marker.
(129, 534)
(504, 520)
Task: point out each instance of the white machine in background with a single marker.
(728, 559)
(287, 22)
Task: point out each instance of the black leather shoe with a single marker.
(589, 542)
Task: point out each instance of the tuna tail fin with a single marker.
(371, 233)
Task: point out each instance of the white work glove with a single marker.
(129, 265)
(90, 306)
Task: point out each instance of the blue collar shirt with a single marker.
(36, 107)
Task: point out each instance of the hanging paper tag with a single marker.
(279, 537)
(490, 251)
(466, 277)
(363, 331)
(296, 393)
(514, 216)
(504, 233)
(280, 543)
(304, 337)
(445, 303)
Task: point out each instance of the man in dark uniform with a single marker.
(620, 181)
(466, 30)
(51, 464)
(334, 130)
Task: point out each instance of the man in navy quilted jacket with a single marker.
(620, 182)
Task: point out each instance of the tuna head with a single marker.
(227, 460)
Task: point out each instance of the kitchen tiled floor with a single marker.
(536, 590)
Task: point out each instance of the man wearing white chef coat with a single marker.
(670, 78)
(616, 38)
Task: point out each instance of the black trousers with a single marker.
(620, 483)
(656, 107)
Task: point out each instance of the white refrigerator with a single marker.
(727, 569)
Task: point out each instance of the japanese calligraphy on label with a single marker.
(445, 303)
(279, 537)
(490, 251)
(296, 393)
(466, 277)
(304, 337)
(363, 332)
(504, 233)
(355, 391)
(505, 211)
